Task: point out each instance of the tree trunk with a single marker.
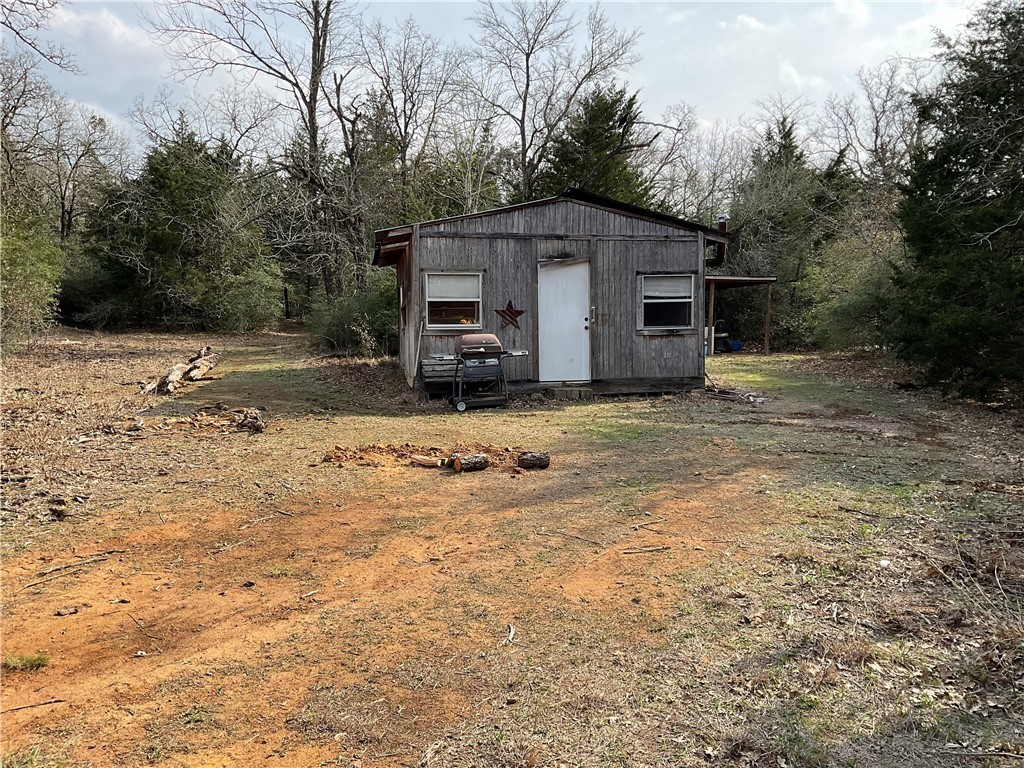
(534, 460)
(427, 461)
(470, 462)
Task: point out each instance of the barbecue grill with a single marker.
(479, 376)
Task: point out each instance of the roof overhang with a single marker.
(389, 246)
(737, 281)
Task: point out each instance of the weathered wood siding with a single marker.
(409, 317)
(508, 270)
(619, 350)
(561, 217)
(506, 247)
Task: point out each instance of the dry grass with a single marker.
(834, 578)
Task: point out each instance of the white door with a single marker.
(563, 298)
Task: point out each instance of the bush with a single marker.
(31, 263)
(101, 293)
(249, 301)
(850, 289)
(364, 320)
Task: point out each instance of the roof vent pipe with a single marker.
(719, 258)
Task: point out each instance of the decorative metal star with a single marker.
(510, 315)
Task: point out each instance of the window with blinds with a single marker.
(667, 301)
(453, 300)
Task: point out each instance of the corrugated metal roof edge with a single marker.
(577, 195)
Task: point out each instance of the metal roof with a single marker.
(394, 238)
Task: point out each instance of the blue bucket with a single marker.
(735, 346)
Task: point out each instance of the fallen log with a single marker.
(172, 379)
(180, 373)
(534, 460)
(471, 462)
(199, 368)
(204, 352)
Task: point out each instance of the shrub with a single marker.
(250, 301)
(101, 293)
(362, 321)
(850, 289)
(31, 263)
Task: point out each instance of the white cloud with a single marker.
(918, 34)
(744, 23)
(99, 27)
(678, 17)
(790, 77)
(720, 57)
(853, 12)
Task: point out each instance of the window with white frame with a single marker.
(453, 299)
(667, 302)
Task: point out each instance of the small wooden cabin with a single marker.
(594, 289)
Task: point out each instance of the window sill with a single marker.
(667, 332)
(462, 330)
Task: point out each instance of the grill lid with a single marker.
(477, 343)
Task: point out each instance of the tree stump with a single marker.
(534, 460)
(470, 462)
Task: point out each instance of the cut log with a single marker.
(470, 462)
(534, 460)
(426, 461)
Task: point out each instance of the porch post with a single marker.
(710, 330)
(767, 315)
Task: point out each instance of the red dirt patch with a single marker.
(386, 455)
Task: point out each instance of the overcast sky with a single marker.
(719, 57)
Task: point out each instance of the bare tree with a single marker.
(248, 120)
(878, 126)
(532, 73)
(25, 91)
(467, 156)
(697, 168)
(56, 152)
(295, 47)
(415, 75)
(25, 19)
(292, 46)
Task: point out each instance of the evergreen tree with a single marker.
(596, 150)
(959, 301)
(176, 246)
(783, 215)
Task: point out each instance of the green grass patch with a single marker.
(32, 757)
(14, 662)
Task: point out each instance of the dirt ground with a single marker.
(832, 577)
